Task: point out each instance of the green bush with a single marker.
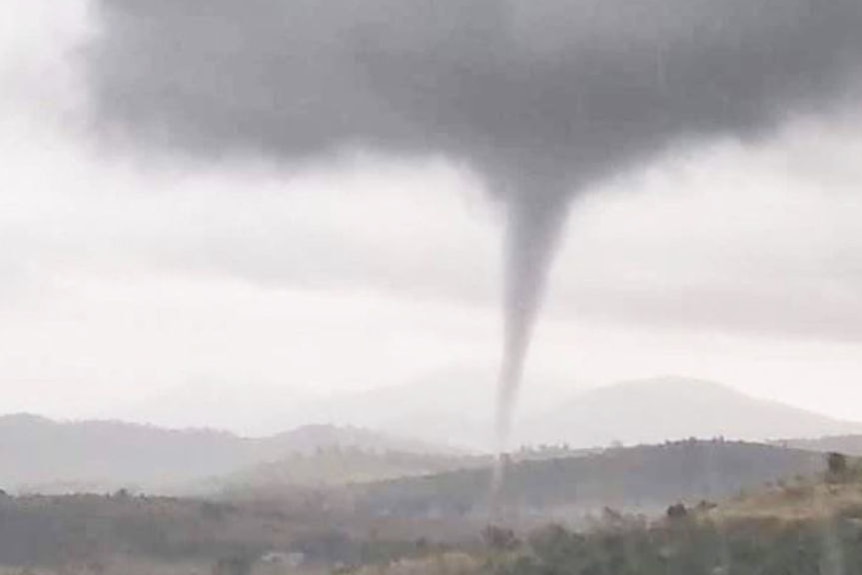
(692, 548)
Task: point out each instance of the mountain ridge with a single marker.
(48, 455)
(41, 454)
(672, 407)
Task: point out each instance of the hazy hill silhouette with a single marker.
(452, 406)
(43, 455)
(39, 454)
(455, 407)
(672, 408)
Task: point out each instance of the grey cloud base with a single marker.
(528, 93)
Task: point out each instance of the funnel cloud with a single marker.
(542, 98)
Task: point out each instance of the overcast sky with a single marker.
(123, 277)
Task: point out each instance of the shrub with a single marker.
(500, 538)
(836, 464)
(234, 565)
(677, 511)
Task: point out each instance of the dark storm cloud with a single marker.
(541, 97)
(538, 91)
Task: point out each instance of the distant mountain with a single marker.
(332, 468)
(312, 438)
(452, 407)
(655, 410)
(39, 454)
(645, 479)
(456, 407)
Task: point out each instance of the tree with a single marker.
(677, 511)
(836, 464)
(499, 538)
(235, 565)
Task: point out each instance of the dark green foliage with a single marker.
(692, 548)
(234, 565)
(836, 464)
(335, 547)
(84, 529)
(499, 538)
(329, 546)
(677, 511)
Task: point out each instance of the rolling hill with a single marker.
(452, 407)
(39, 454)
(847, 444)
(671, 408)
(333, 468)
(456, 408)
(44, 455)
(644, 479)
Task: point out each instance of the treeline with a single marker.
(688, 546)
(83, 530)
(59, 530)
(646, 477)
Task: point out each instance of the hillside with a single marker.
(671, 408)
(805, 526)
(308, 439)
(455, 408)
(41, 454)
(332, 468)
(847, 444)
(813, 530)
(129, 535)
(645, 478)
(452, 407)
(47, 456)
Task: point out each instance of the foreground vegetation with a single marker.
(694, 547)
(120, 533)
(793, 526)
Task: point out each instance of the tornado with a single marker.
(532, 232)
(545, 99)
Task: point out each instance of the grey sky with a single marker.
(737, 261)
(543, 99)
